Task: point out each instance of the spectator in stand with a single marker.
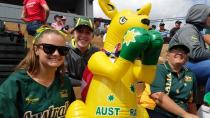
(174, 87)
(106, 25)
(164, 32)
(39, 87)
(176, 28)
(97, 23)
(58, 24)
(198, 18)
(65, 28)
(80, 49)
(35, 13)
(103, 33)
(152, 27)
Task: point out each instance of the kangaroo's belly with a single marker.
(111, 99)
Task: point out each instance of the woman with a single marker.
(197, 19)
(35, 13)
(174, 89)
(38, 87)
(80, 49)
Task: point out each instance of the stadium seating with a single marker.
(12, 51)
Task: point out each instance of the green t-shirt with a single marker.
(179, 88)
(22, 97)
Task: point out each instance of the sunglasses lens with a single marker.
(49, 49)
(63, 50)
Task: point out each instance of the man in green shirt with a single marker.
(174, 86)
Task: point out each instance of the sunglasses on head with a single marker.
(50, 49)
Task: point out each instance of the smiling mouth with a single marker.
(83, 40)
(55, 59)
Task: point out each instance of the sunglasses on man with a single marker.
(50, 49)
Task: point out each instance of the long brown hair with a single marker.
(31, 61)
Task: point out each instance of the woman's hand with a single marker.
(188, 115)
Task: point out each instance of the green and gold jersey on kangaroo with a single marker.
(22, 97)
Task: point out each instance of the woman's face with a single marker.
(83, 37)
(177, 57)
(51, 50)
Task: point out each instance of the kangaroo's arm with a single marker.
(100, 64)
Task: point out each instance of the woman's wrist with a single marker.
(184, 114)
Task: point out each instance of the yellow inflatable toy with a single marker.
(115, 69)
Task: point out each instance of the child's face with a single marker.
(83, 36)
(51, 55)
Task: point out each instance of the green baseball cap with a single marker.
(83, 22)
(178, 45)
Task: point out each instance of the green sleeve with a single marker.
(158, 84)
(7, 107)
(8, 94)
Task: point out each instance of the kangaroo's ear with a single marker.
(108, 8)
(145, 10)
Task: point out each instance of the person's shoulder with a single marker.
(173, 29)
(19, 74)
(186, 31)
(164, 67)
(187, 28)
(161, 66)
(71, 45)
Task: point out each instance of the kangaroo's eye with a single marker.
(145, 21)
(122, 20)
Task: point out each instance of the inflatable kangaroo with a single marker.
(115, 69)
